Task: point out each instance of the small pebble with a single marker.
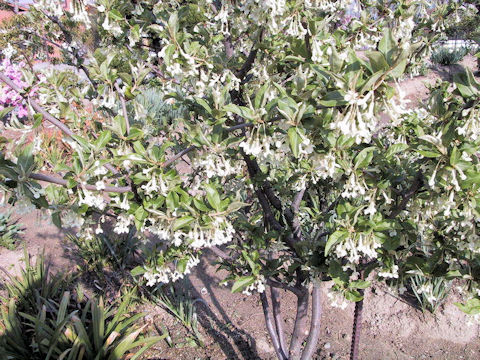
(327, 346)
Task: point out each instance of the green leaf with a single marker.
(115, 15)
(334, 98)
(395, 148)
(242, 283)
(353, 295)
(57, 221)
(103, 139)
(241, 111)
(182, 265)
(334, 238)
(428, 153)
(83, 143)
(466, 84)
(135, 133)
(235, 206)
(204, 105)
(5, 111)
(213, 197)
(377, 61)
(471, 307)
(371, 81)
(388, 45)
(182, 222)
(398, 70)
(138, 147)
(139, 270)
(454, 156)
(295, 140)
(359, 284)
(364, 157)
(200, 205)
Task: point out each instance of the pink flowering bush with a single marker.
(9, 97)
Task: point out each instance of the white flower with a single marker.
(100, 185)
(122, 226)
(9, 51)
(92, 200)
(71, 219)
(389, 273)
(336, 299)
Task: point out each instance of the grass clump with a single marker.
(445, 56)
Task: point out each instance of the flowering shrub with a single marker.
(288, 160)
(9, 97)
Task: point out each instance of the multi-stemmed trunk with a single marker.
(274, 323)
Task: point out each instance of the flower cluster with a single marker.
(8, 96)
(164, 275)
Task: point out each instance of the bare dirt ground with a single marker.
(233, 326)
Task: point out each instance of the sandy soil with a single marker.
(233, 325)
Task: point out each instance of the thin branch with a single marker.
(247, 66)
(63, 182)
(280, 285)
(160, 73)
(277, 317)
(239, 126)
(416, 185)
(296, 226)
(69, 39)
(179, 155)
(64, 128)
(37, 107)
(267, 210)
(314, 334)
(269, 324)
(124, 108)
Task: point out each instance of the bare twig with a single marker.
(269, 323)
(63, 182)
(64, 128)
(407, 196)
(179, 155)
(296, 227)
(314, 334)
(239, 126)
(69, 39)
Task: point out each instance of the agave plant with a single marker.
(34, 283)
(445, 56)
(9, 231)
(61, 331)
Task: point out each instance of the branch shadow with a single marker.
(243, 342)
(447, 72)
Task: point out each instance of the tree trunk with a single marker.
(315, 322)
(300, 325)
